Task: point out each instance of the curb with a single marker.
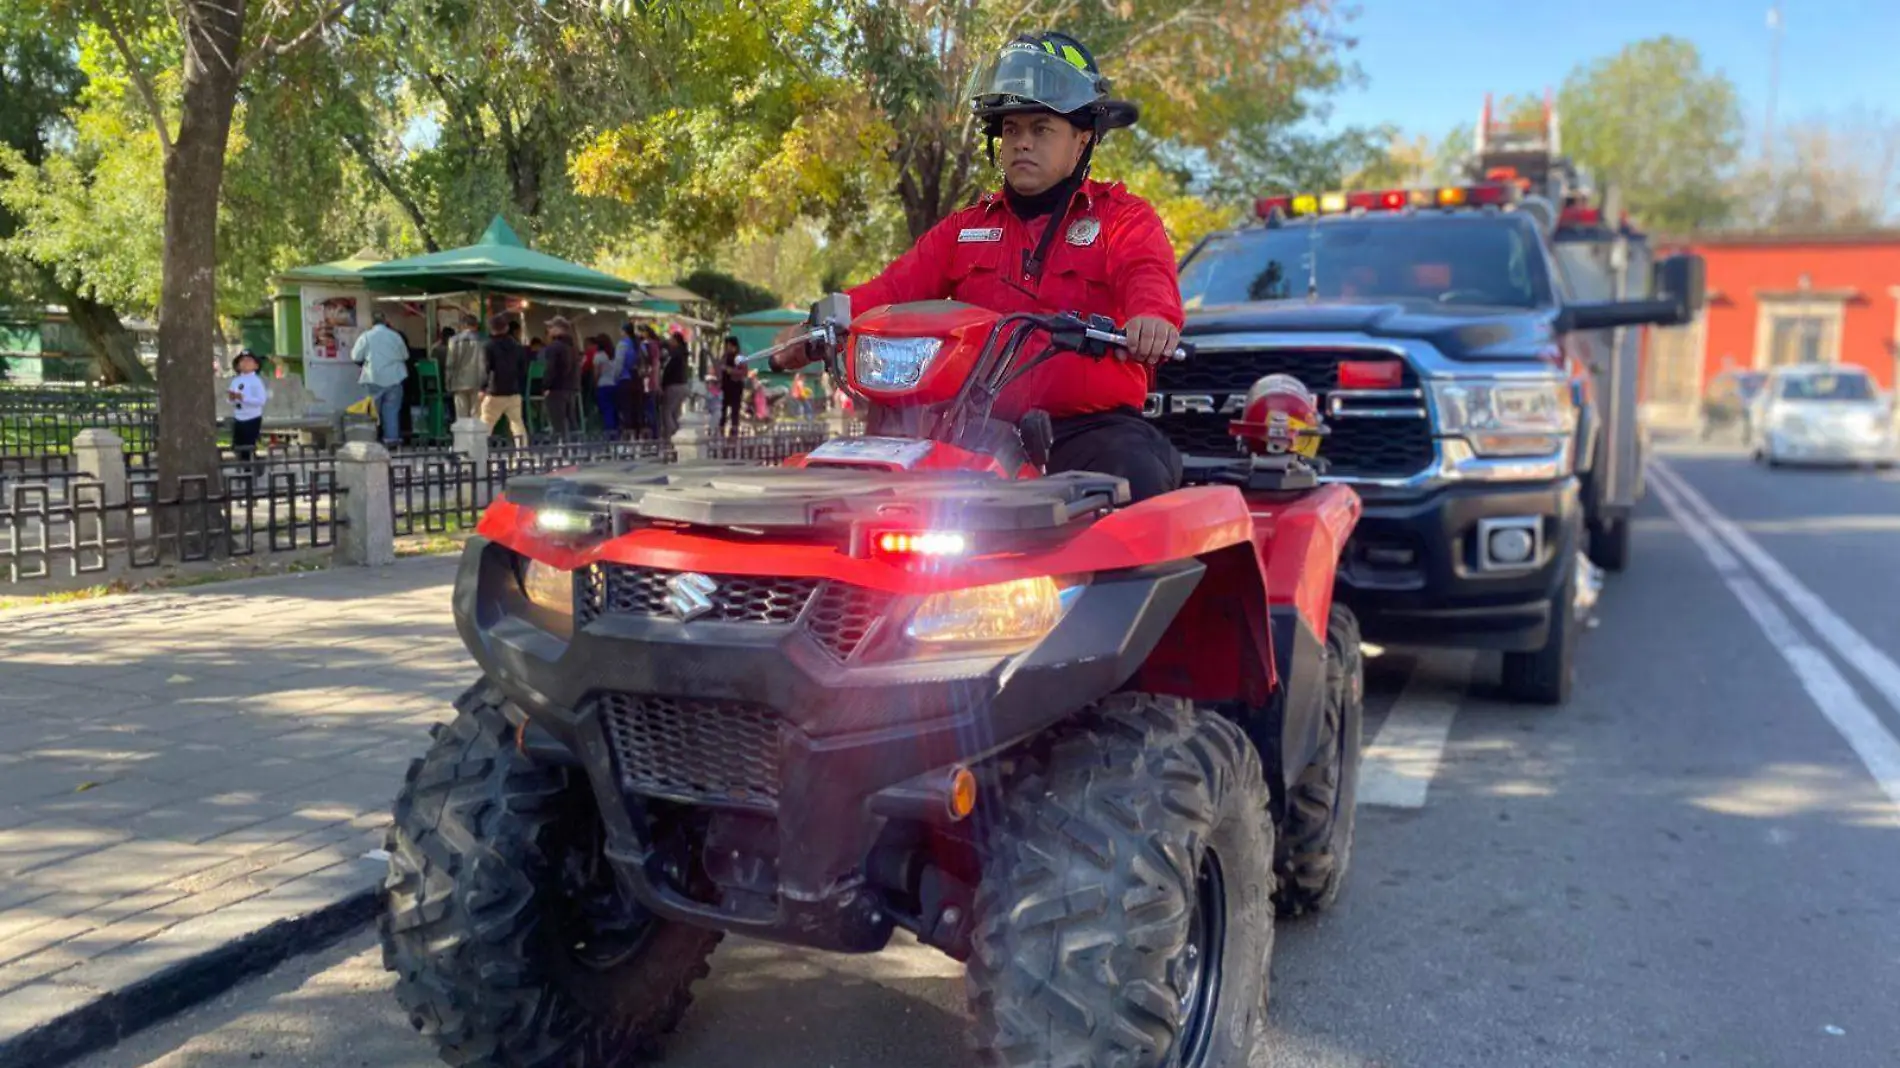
(115, 1015)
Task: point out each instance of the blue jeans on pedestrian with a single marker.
(609, 414)
(389, 411)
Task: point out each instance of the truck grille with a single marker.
(1357, 446)
(844, 616)
(621, 589)
(706, 752)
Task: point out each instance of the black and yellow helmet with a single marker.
(1047, 72)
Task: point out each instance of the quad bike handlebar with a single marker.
(1095, 336)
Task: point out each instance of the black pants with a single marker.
(1121, 443)
(732, 403)
(244, 434)
(560, 409)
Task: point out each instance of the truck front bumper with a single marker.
(1417, 572)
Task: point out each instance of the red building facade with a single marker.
(1778, 299)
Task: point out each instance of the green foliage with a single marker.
(728, 294)
(1666, 130)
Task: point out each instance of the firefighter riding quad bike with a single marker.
(903, 681)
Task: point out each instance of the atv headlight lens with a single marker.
(548, 587)
(1505, 418)
(566, 522)
(1018, 611)
(893, 362)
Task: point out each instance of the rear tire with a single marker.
(1316, 837)
(480, 923)
(1125, 916)
(1543, 676)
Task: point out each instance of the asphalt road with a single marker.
(1695, 862)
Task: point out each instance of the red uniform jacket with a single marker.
(1112, 259)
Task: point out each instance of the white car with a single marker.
(1822, 413)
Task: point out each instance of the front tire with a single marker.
(510, 944)
(1125, 916)
(1544, 676)
(1610, 544)
(1316, 837)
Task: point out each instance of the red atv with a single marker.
(904, 681)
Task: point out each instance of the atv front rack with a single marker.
(747, 498)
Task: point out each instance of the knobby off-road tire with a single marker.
(474, 924)
(1543, 676)
(1316, 836)
(1092, 874)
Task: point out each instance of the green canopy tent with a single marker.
(500, 263)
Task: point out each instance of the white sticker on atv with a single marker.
(980, 236)
(904, 453)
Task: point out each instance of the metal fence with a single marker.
(57, 521)
(51, 530)
(43, 420)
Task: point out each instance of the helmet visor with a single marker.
(1023, 76)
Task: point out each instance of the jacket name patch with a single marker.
(980, 235)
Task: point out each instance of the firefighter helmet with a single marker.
(1280, 417)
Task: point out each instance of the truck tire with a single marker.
(1543, 676)
(1610, 544)
(1315, 839)
(1125, 911)
(492, 918)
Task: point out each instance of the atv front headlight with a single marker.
(1019, 611)
(893, 362)
(548, 587)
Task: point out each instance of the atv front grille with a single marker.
(621, 589)
(1196, 400)
(844, 615)
(704, 752)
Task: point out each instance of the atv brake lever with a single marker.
(1111, 339)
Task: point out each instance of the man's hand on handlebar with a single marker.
(1151, 340)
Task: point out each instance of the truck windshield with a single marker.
(1486, 261)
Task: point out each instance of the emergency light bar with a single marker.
(1489, 194)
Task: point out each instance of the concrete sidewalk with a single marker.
(189, 782)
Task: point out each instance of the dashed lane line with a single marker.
(1400, 764)
(1830, 691)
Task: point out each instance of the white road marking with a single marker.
(1830, 691)
(1398, 767)
(1877, 667)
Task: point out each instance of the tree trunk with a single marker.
(109, 342)
(194, 176)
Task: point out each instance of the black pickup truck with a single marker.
(1447, 352)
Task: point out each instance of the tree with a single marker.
(187, 62)
(1838, 173)
(728, 295)
(1668, 132)
(867, 100)
(42, 82)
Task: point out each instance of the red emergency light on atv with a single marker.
(904, 681)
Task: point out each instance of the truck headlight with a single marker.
(548, 587)
(1018, 612)
(1506, 418)
(893, 362)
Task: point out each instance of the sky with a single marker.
(1428, 64)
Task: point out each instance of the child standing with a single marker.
(248, 397)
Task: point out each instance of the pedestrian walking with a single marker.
(505, 377)
(673, 385)
(650, 360)
(731, 388)
(801, 397)
(248, 396)
(383, 354)
(562, 375)
(463, 367)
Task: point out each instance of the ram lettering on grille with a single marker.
(1372, 433)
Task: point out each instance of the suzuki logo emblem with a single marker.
(689, 595)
